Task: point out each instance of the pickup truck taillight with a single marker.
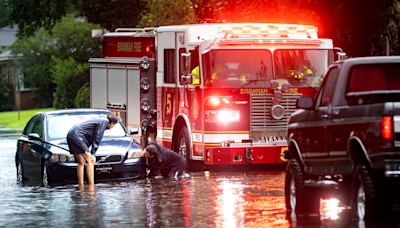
(387, 130)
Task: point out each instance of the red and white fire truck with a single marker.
(216, 93)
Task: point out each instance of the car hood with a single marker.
(108, 145)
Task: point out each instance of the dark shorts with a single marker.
(177, 171)
(76, 146)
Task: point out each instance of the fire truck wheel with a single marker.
(299, 198)
(368, 199)
(182, 145)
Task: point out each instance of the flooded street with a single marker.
(205, 199)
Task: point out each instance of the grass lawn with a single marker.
(10, 119)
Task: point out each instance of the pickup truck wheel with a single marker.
(367, 200)
(183, 145)
(298, 197)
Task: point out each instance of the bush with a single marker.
(82, 99)
(69, 76)
(6, 102)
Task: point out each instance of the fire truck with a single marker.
(220, 94)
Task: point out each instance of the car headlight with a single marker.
(62, 158)
(134, 153)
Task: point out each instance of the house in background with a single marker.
(10, 69)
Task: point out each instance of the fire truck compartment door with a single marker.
(133, 108)
(116, 81)
(98, 85)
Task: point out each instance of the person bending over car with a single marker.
(84, 134)
(164, 161)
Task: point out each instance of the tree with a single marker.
(111, 14)
(32, 15)
(69, 76)
(68, 38)
(168, 12)
(5, 95)
(4, 11)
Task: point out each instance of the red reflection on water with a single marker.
(187, 202)
(330, 209)
(250, 204)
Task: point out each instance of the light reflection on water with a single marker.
(206, 199)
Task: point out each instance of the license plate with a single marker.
(103, 169)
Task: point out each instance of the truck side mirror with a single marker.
(186, 77)
(305, 102)
(340, 53)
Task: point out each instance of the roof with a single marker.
(7, 36)
(7, 55)
(77, 111)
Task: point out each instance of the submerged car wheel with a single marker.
(20, 172)
(367, 200)
(298, 197)
(183, 145)
(45, 176)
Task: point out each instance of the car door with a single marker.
(25, 147)
(317, 156)
(36, 148)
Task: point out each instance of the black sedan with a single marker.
(43, 154)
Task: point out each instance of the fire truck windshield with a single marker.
(302, 68)
(235, 68)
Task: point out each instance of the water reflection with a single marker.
(330, 209)
(257, 203)
(206, 199)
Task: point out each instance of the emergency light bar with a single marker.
(271, 41)
(268, 30)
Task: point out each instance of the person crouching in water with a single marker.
(84, 134)
(164, 161)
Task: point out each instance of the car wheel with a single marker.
(367, 201)
(20, 172)
(183, 145)
(45, 176)
(298, 197)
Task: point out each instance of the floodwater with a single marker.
(205, 199)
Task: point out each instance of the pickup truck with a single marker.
(347, 138)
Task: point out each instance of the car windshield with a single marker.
(302, 68)
(58, 126)
(235, 68)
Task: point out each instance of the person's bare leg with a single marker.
(81, 165)
(89, 167)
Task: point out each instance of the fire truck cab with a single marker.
(216, 93)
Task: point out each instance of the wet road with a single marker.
(206, 199)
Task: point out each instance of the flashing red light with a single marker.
(148, 49)
(216, 101)
(182, 104)
(387, 128)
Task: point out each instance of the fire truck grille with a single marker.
(260, 111)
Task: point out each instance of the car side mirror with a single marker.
(134, 131)
(305, 102)
(34, 136)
